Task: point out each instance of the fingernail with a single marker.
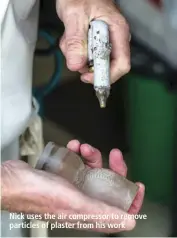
(91, 148)
(73, 142)
(84, 80)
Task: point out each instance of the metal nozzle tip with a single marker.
(102, 100)
(102, 95)
(102, 104)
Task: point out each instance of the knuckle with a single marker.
(71, 13)
(61, 44)
(125, 67)
(125, 25)
(74, 43)
(66, 10)
(121, 22)
(62, 48)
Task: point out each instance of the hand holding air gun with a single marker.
(96, 35)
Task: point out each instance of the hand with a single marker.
(93, 159)
(27, 190)
(76, 16)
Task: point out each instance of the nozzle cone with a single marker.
(102, 100)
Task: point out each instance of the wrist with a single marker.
(24, 189)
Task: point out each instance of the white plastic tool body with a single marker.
(99, 50)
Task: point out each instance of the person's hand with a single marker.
(93, 159)
(76, 16)
(31, 191)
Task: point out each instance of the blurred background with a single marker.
(141, 115)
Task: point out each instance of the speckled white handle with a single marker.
(99, 53)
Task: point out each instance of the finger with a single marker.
(62, 44)
(116, 162)
(74, 145)
(138, 201)
(91, 155)
(119, 37)
(87, 77)
(84, 70)
(76, 41)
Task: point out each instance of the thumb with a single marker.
(76, 43)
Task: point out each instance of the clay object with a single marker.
(102, 184)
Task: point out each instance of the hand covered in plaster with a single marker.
(27, 190)
(76, 16)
